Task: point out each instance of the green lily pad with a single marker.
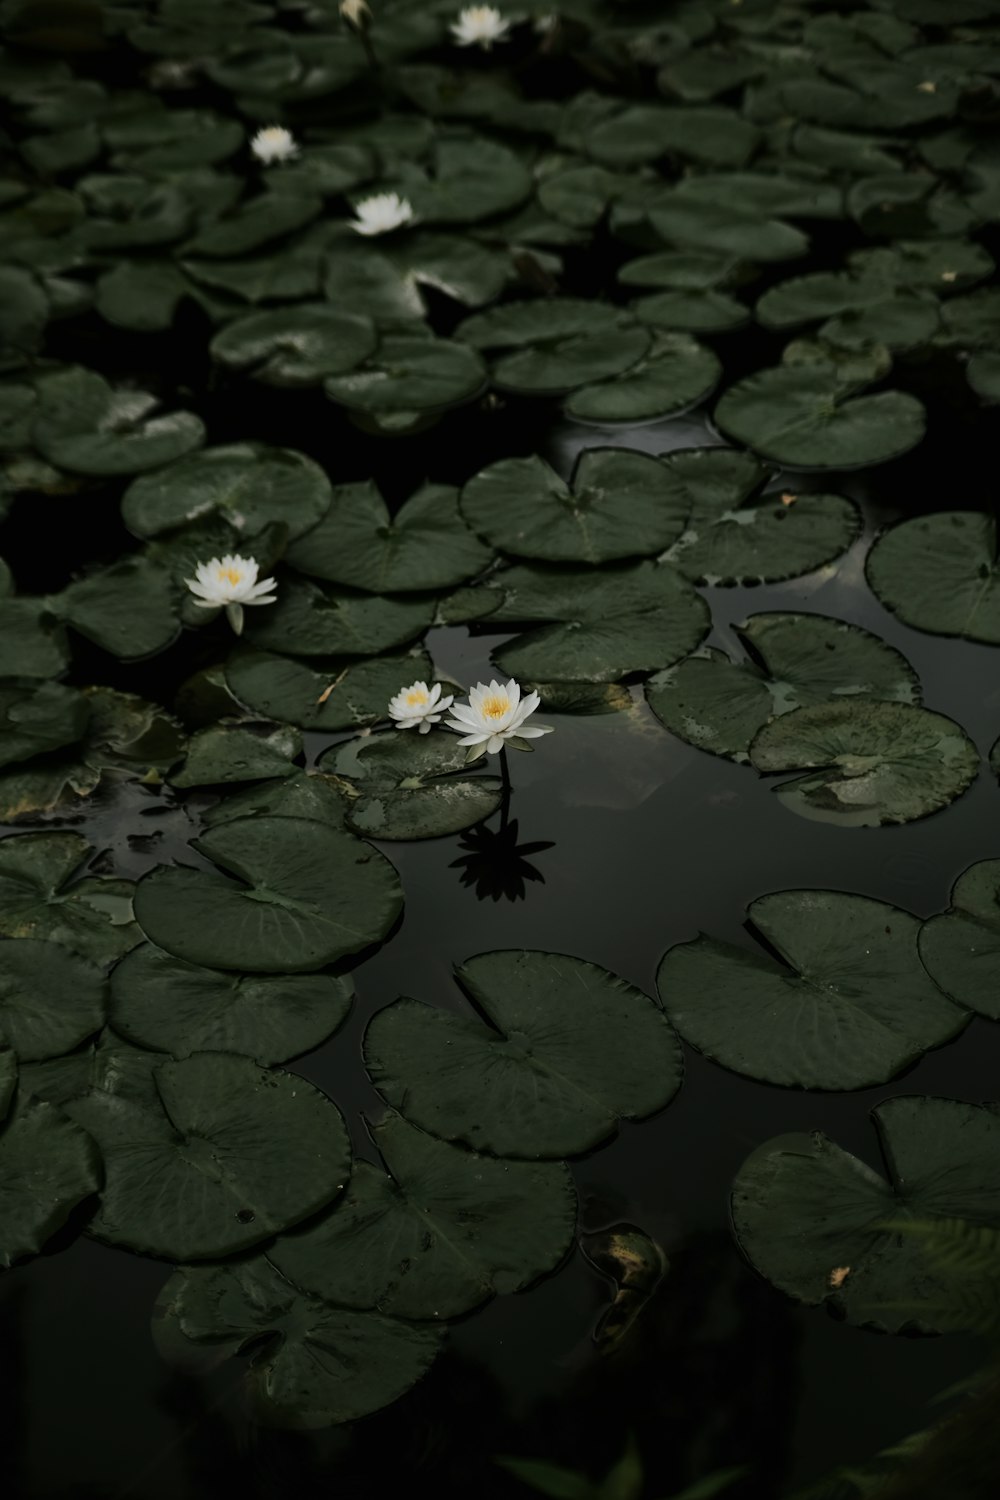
(983, 374)
(674, 374)
(8, 1079)
(405, 785)
(871, 763)
(258, 222)
(40, 899)
(471, 178)
(348, 696)
(32, 640)
(312, 621)
(48, 1166)
(50, 999)
(643, 132)
(436, 1234)
(325, 171)
(296, 895)
(803, 1207)
(614, 506)
(225, 1155)
(809, 418)
(425, 545)
(680, 270)
(171, 1006)
(823, 294)
(129, 213)
(315, 1365)
(939, 573)
(407, 375)
(36, 717)
(129, 609)
(714, 225)
(290, 274)
(306, 794)
(559, 345)
(691, 311)
(226, 753)
(141, 296)
(960, 947)
(603, 624)
(86, 426)
(936, 265)
(792, 660)
(569, 1050)
(246, 484)
(295, 346)
(835, 998)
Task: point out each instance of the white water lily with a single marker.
(418, 707)
(479, 26)
(381, 213)
(356, 13)
(229, 583)
(274, 143)
(495, 714)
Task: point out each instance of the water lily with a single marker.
(495, 714)
(230, 583)
(418, 707)
(356, 13)
(381, 213)
(274, 143)
(479, 26)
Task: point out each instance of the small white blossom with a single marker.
(274, 143)
(381, 213)
(418, 707)
(356, 13)
(495, 714)
(229, 583)
(479, 25)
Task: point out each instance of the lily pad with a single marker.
(32, 640)
(694, 312)
(715, 225)
(564, 1052)
(48, 1166)
(437, 1234)
(295, 896)
(674, 374)
(8, 1079)
(604, 624)
(804, 1208)
(808, 418)
(425, 545)
(871, 763)
(983, 374)
(86, 426)
(643, 132)
(141, 296)
(171, 1006)
(37, 717)
(307, 794)
(39, 898)
(559, 345)
(940, 573)
(129, 609)
(227, 753)
(960, 948)
(295, 346)
(246, 484)
(255, 223)
(616, 505)
(226, 1155)
(792, 660)
(311, 621)
(408, 375)
(941, 266)
(835, 997)
(404, 785)
(471, 178)
(315, 1365)
(348, 696)
(50, 999)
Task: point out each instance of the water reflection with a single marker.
(494, 864)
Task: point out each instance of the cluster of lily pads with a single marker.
(395, 212)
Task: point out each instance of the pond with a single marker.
(616, 1120)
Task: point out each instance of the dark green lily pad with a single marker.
(804, 1208)
(246, 484)
(983, 374)
(604, 625)
(438, 1234)
(405, 785)
(960, 948)
(296, 896)
(471, 178)
(559, 345)
(643, 132)
(129, 609)
(312, 621)
(691, 311)
(349, 696)
(141, 296)
(939, 573)
(822, 294)
(171, 1006)
(226, 753)
(307, 794)
(8, 1079)
(32, 640)
(942, 266)
(715, 225)
(48, 1165)
(615, 506)
(86, 426)
(567, 1052)
(675, 373)
(290, 274)
(50, 999)
(37, 717)
(295, 346)
(792, 660)
(409, 375)
(425, 545)
(314, 1366)
(40, 899)
(259, 222)
(871, 763)
(809, 418)
(835, 998)
(227, 1154)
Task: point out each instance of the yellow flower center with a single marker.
(495, 708)
(414, 698)
(230, 575)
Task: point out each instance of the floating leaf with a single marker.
(50, 999)
(48, 1165)
(843, 1003)
(696, 312)
(939, 573)
(246, 484)
(960, 947)
(171, 1006)
(32, 640)
(348, 696)
(871, 763)
(470, 178)
(983, 374)
(40, 899)
(568, 1050)
(295, 346)
(410, 375)
(941, 266)
(792, 660)
(128, 609)
(643, 132)
(296, 895)
(311, 621)
(225, 1155)
(258, 222)
(86, 426)
(412, 786)
(306, 794)
(439, 1233)
(561, 344)
(675, 373)
(714, 225)
(141, 296)
(35, 718)
(802, 1207)
(226, 753)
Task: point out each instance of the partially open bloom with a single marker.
(418, 707)
(381, 213)
(356, 13)
(274, 143)
(494, 715)
(229, 583)
(479, 26)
